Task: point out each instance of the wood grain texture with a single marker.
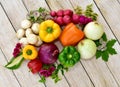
(7, 44)
(113, 63)
(32, 6)
(6, 76)
(94, 66)
(91, 73)
(107, 11)
(77, 72)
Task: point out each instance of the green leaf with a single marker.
(97, 43)
(105, 56)
(57, 79)
(110, 43)
(98, 54)
(111, 51)
(104, 37)
(41, 9)
(42, 80)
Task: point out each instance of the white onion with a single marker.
(93, 31)
(87, 48)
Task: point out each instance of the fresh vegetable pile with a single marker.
(78, 31)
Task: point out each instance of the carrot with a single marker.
(71, 35)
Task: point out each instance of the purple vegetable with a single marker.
(60, 13)
(84, 20)
(66, 19)
(59, 20)
(75, 18)
(68, 12)
(53, 13)
(48, 53)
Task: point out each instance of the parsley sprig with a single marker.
(55, 73)
(105, 48)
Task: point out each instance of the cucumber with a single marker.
(15, 62)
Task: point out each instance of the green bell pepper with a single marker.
(69, 56)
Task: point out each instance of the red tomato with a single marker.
(35, 65)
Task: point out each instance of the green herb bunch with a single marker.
(105, 48)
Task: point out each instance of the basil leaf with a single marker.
(104, 37)
(110, 43)
(111, 51)
(98, 54)
(105, 56)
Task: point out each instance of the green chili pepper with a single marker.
(69, 56)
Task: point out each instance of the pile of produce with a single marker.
(81, 36)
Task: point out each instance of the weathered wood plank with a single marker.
(33, 5)
(113, 63)
(6, 76)
(111, 11)
(7, 44)
(77, 72)
(93, 67)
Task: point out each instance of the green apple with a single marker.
(87, 48)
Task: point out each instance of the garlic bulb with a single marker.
(39, 42)
(26, 24)
(28, 31)
(20, 33)
(35, 28)
(23, 41)
(32, 39)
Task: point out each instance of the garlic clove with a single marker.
(20, 33)
(26, 24)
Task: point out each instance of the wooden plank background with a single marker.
(91, 73)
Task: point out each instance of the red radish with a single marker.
(48, 53)
(75, 18)
(68, 12)
(59, 20)
(60, 13)
(53, 13)
(35, 65)
(66, 19)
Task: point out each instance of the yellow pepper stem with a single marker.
(49, 30)
(29, 52)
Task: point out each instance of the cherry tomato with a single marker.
(34, 65)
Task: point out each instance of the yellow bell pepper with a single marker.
(49, 31)
(30, 52)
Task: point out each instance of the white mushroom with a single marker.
(35, 28)
(39, 42)
(32, 39)
(26, 24)
(28, 31)
(23, 41)
(20, 33)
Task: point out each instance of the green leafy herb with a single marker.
(43, 79)
(89, 12)
(110, 43)
(78, 10)
(39, 15)
(104, 37)
(55, 73)
(107, 50)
